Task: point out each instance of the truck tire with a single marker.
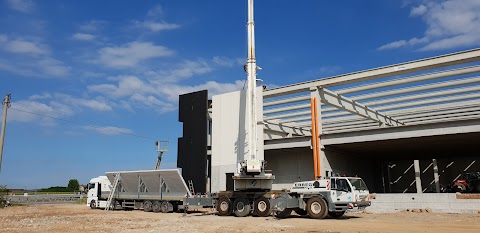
(241, 207)
(224, 206)
(164, 207)
(147, 206)
(317, 208)
(156, 206)
(285, 213)
(262, 207)
(300, 212)
(336, 214)
(93, 204)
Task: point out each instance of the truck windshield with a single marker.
(358, 183)
(90, 185)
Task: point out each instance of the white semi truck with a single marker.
(150, 190)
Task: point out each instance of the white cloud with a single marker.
(155, 26)
(21, 46)
(127, 86)
(109, 130)
(418, 11)
(83, 36)
(182, 71)
(450, 24)
(25, 6)
(94, 104)
(156, 12)
(131, 54)
(35, 67)
(93, 25)
(228, 62)
(42, 113)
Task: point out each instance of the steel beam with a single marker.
(286, 115)
(344, 103)
(392, 70)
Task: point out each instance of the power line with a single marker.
(82, 124)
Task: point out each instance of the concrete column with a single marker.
(435, 175)
(418, 181)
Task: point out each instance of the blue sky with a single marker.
(95, 83)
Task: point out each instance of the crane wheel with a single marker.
(317, 208)
(241, 207)
(224, 206)
(262, 207)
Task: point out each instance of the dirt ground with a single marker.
(79, 218)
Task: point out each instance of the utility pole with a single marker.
(6, 105)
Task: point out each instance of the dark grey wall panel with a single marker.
(192, 147)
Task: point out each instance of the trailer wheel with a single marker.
(93, 204)
(241, 206)
(164, 207)
(224, 206)
(262, 207)
(156, 206)
(300, 212)
(147, 206)
(336, 214)
(285, 213)
(317, 208)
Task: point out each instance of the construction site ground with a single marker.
(79, 218)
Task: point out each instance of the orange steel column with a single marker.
(317, 143)
(313, 108)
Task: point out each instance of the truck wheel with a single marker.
(317, 208)
(164, 207)
(224, 206)
(156, 206)
(262, 207)
(93, 204)
(241, 206)
(300, 212)
(147, 206)
(336, 214)
(285, 213)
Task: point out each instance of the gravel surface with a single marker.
(79, 218)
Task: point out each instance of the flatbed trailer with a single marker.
(150, 190)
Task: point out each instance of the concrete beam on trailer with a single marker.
(344, 103)
(392, 70)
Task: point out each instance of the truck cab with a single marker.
(95, 188)
(352, 190)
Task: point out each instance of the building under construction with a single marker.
(409, 127)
